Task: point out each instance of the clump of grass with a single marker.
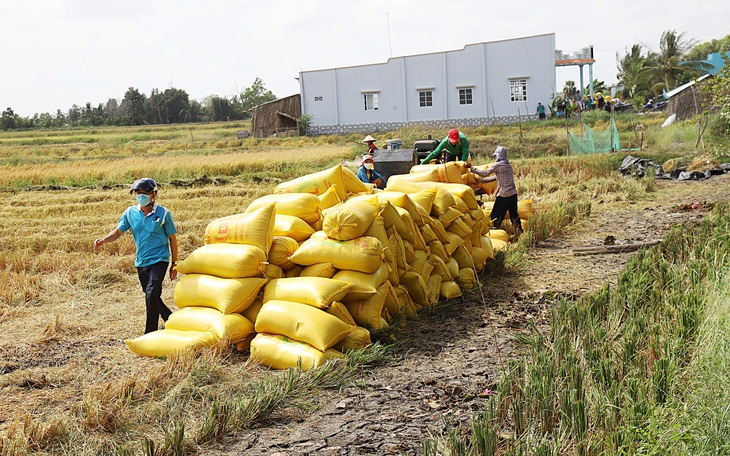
(602, 379)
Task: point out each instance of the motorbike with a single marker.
(618, 106)
(650, 106)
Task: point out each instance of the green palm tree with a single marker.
(631, 73)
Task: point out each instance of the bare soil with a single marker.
(451, 355)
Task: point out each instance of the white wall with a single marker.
(486, 68)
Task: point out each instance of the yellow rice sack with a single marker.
(296, 271)
(293, 227)
(254, 227)
(316, 183)
(453, 266)
(480, 258)
(252, 311)
(362, 284)
(454, 242)
(350, 220)
(377, 230)
(428, 234)
(362, 254)
(467, 278)
(368, 312)
(498, 234)
(460, 205)
(357, 339)
(438, 228)
(462, 257)
(524, 209)
(391, 302)
(437, 248)
(314, 291)
(499, 245)
(403, 200)
(425, 198)
(340, 311)
(460, 228)
(329, 198)
(392, 219)
(273, 271)
(462, 191)
(410, 252)
(162, 343)
(433, 289)
(405, 303)
(279, 352)
(302, 205)
(326, 270)
(233, 327)
(486, 245)
(430, 175)
(476, 232)
(353, 184)
(440, 267)
(396, 243)
(450, 289)
(489, 188)
(421, 258)
(225, 260)
(446, 172)
(226, 295)
(417, 288)
(301, 322)
(449, 216)
(281, 249)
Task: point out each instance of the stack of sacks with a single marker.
(351, 248)
(452, 229)
(451, 172)
(220, 280)
(344, 260)
(301, 322)
(342, 179)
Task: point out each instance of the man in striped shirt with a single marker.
(506, 200)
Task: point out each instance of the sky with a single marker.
(57, 53)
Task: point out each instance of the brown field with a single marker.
(66, 377)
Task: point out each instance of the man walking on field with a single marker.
(155, 238)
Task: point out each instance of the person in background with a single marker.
(156, 241)
(370, 142)
(506, 197)
(367, 173)
(540, 111)
(454, 147)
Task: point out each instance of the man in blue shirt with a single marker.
(155, 238)
(367, 173)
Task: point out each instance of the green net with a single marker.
(595, 141)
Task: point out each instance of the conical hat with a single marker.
(367, 138)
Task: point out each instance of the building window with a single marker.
(317, 98)
(465, 97)
(425, 98)
(371, 101)
(518, 89)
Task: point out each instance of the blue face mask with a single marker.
(143, 200)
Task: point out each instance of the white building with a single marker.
(483, 83)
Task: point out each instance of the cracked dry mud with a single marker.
(452, 354)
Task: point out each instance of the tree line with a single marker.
(645, 74)
(170, 106)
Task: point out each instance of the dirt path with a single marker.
(452, 357)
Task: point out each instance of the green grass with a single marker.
(639, 369)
